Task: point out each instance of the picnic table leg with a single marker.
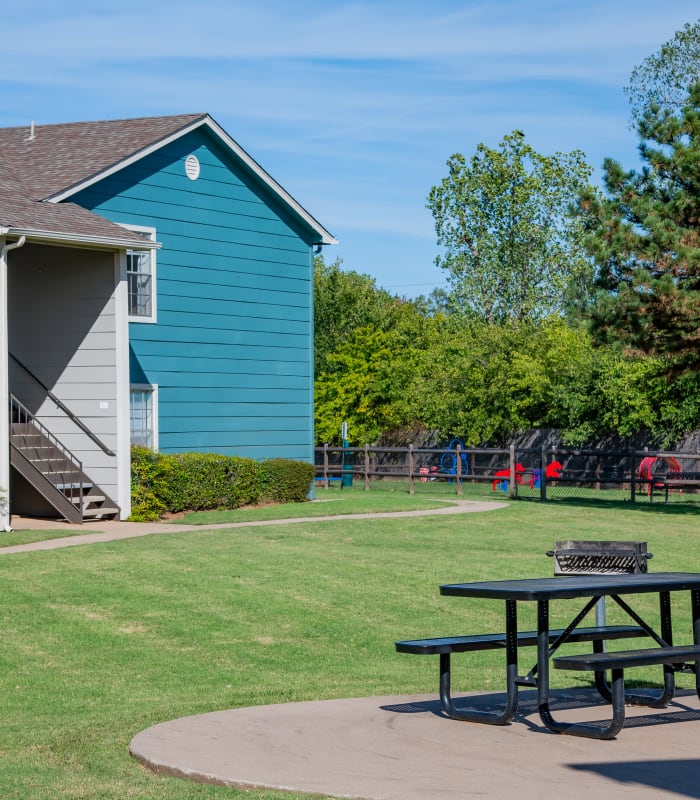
(664, 640)
(543, 661)
(589, 731)
(476, 715)
(695, 606)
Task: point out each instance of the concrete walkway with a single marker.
(109, 530)
(399, 748)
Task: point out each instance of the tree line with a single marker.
(568, 306)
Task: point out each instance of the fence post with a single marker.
(459, 470)
(633, 478)
(543, 475)
(325, 465)
(366, 467)
(511, 487)
(411, 482)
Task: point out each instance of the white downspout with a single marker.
(5, 388)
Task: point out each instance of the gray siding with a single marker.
(62, 327)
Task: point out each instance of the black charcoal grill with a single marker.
(599, 558)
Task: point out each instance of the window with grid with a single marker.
(138, 275)
(142, 417)
(141, 278)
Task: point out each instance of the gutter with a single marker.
(5, 385)
(72, 239)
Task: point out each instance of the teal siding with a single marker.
(231, 351)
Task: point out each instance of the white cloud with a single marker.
(385, 30)
(353, 106)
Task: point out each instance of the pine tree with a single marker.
(645, 239)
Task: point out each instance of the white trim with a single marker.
(153, 388)
(123, 387)
(206, 121)
(150, 231)
(73, 239)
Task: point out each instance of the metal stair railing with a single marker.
(20, 414)
(60, 404)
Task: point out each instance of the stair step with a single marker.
(100, 512)
(60, 472)
(95, 498)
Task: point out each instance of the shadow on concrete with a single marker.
(678, 775)
(561, 701)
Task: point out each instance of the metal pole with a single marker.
(543, 475)
(459, 470)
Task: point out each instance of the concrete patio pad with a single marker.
(400, 748)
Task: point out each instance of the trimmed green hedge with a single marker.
(162, 483)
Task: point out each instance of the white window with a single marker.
(138, 275)
(141, 278)
(143, 415)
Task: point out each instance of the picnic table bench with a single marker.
(673, 658)
(445, 646)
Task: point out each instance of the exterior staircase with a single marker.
(54, 471)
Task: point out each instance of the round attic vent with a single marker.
(192, 167)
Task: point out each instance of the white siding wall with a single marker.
(63, 328)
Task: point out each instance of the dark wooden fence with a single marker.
(517, 472)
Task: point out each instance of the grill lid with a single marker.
(599, 557)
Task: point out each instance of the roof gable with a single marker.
(57, 161)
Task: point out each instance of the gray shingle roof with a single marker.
(59, 156)
(60, 221)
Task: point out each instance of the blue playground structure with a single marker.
(448, 460)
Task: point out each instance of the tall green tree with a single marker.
(366, 383)
(663, 78)
(343, 302)
(513, 251)
(645, 238)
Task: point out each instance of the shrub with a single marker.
(286, 481)
(199, 481)
(245, 481)
(162, 483)
(148, 485)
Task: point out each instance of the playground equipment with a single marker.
(448, 460)
(552, 472)
(503, 475)
(428, 474)
(647, 468)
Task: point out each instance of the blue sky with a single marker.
(354, 107)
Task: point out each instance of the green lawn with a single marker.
(27, 537)
(328, 502)
(101, 641)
